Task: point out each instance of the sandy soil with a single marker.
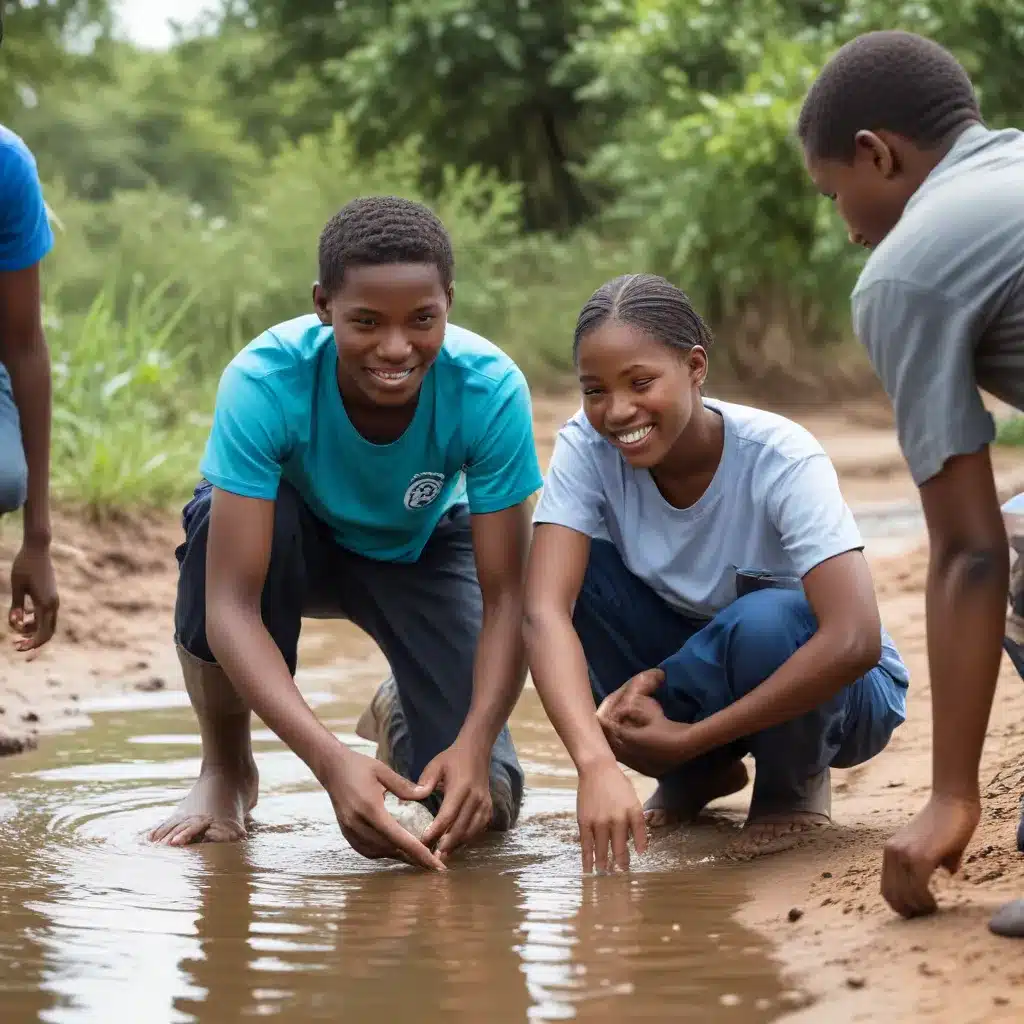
(847, 949)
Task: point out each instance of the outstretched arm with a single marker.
(25, 239)
(968, 579)
(500, 544)
(608, 808)
(238, 555)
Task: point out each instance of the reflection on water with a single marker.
(96, 925)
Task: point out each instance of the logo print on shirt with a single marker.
(423, 490)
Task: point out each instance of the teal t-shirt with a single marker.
(279, 415)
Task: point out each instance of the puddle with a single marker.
(96, 925)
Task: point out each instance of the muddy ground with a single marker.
(117, 594)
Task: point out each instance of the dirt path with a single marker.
(117, 592)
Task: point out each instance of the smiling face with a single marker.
(638, 392)
(389, 323)
(871, 191)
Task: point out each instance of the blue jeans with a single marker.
(625, 628)
(13, 469)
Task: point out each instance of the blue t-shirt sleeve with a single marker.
(248, 440)
(25, 233)
(573, 495)
(814, 522)
(502, 468)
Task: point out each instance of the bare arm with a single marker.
(968, 578)
(23, 351)
(238, 555)
(846, 644)
(500, 543)
(558, 563)
(607, 806)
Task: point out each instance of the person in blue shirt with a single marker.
(25, 384)
(696, 573)
(370, 461)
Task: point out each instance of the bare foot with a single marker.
(775, 833)
(215, 811)
(670, 806)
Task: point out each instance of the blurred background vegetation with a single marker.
(561, 141)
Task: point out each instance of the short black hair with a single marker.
(377, 230)
(649, 303)
(886, 81)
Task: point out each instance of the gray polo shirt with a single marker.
(940, 304)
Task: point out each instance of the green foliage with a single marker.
(125, 430)
(1010, 432)
(35, 46)
(561, 141)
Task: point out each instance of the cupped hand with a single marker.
(356, 785)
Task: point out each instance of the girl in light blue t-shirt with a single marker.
(696, 571)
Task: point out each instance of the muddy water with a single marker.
(96, 925)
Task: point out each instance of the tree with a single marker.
(45, 41)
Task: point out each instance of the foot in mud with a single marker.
(215, 811)
(776, 833)
(774, 825)
(672, 805)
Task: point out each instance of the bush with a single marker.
(129, 419)
(229, 279)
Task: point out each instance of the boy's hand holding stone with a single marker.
(462, 774)
(356, 785)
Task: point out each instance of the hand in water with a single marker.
(462, 773)
(32, 578)
(608, 810)
(356, 785)
(937, 837)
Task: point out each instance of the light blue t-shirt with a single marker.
(25, 233)
(773, 506)
(279, 415)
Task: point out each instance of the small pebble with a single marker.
(1008, 921)
(675, 927)
(1000, 1000)
(826, 874)
(30, 716)
(152, 685)
(855, 981)
(795, 914)
(730, 1000)
(763, 1004)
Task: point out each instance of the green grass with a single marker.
(1010, 432)
(129, 418)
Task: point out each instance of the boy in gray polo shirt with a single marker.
(892, 132)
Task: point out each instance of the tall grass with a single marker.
(129, 418)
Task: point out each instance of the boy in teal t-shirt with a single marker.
(372, 462)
